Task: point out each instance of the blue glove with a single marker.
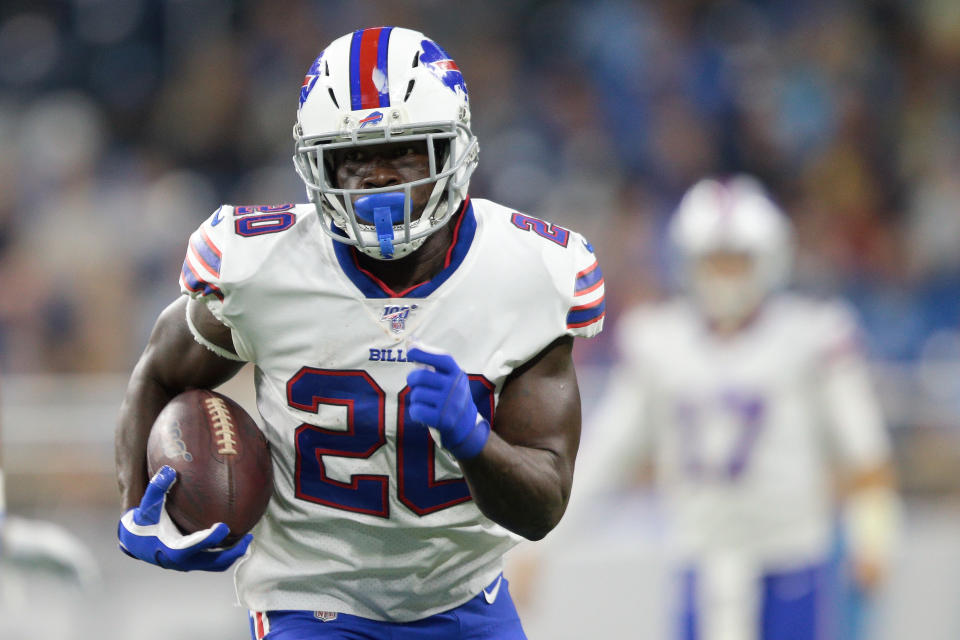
(440, 398)
(147, 532)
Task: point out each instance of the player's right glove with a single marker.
(440, 398)
(147, 532)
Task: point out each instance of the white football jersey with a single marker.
(370, 515)
(743, 431)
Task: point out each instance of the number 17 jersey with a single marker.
(370, 515)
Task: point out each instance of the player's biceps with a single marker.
(542, 413)
(176, 361)
(177, 365)
(209, 326)
(170, 344)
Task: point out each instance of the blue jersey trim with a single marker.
(465, 228)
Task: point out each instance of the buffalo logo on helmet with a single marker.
(442, 66)
(310, 79)
(372, 119)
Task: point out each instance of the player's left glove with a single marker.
(440, 397)
(147, 532)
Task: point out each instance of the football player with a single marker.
(750, 401)
(413, 365)
(31, 547)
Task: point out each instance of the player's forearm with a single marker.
(143, 402)
(522, 477)
(522, 489)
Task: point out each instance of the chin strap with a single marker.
(384, 210)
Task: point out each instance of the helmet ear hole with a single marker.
(416, 62)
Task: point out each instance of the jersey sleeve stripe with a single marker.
(196, 260)
(577, 325)
(585, 314)
(210, 243)
(204, 247)
(593, 267)
(591, 288)
(590, 279)
(192, 282)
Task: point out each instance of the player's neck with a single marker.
(420, 266)
(729, 328)
(725, 330)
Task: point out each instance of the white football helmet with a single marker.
(376, 86)
(732, 216)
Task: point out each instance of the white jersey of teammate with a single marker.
(743, 430)
(370, 516)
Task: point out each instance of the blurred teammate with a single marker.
(390, 303)
(748, 399)
(37, 547)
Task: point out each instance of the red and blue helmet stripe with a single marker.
(368, 55)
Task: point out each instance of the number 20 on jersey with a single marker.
(417, 486)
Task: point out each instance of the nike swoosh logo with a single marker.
(216, 218)
(491, 596)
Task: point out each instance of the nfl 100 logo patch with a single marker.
(396, 316)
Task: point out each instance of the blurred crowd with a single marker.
(124, 124)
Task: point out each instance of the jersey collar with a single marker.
(465, 227)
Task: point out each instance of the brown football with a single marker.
(222, 460)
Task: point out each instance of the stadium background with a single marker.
(124, 124)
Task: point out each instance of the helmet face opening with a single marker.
(354, 157)
(726, 285)
(420, 102)
(317, 157)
